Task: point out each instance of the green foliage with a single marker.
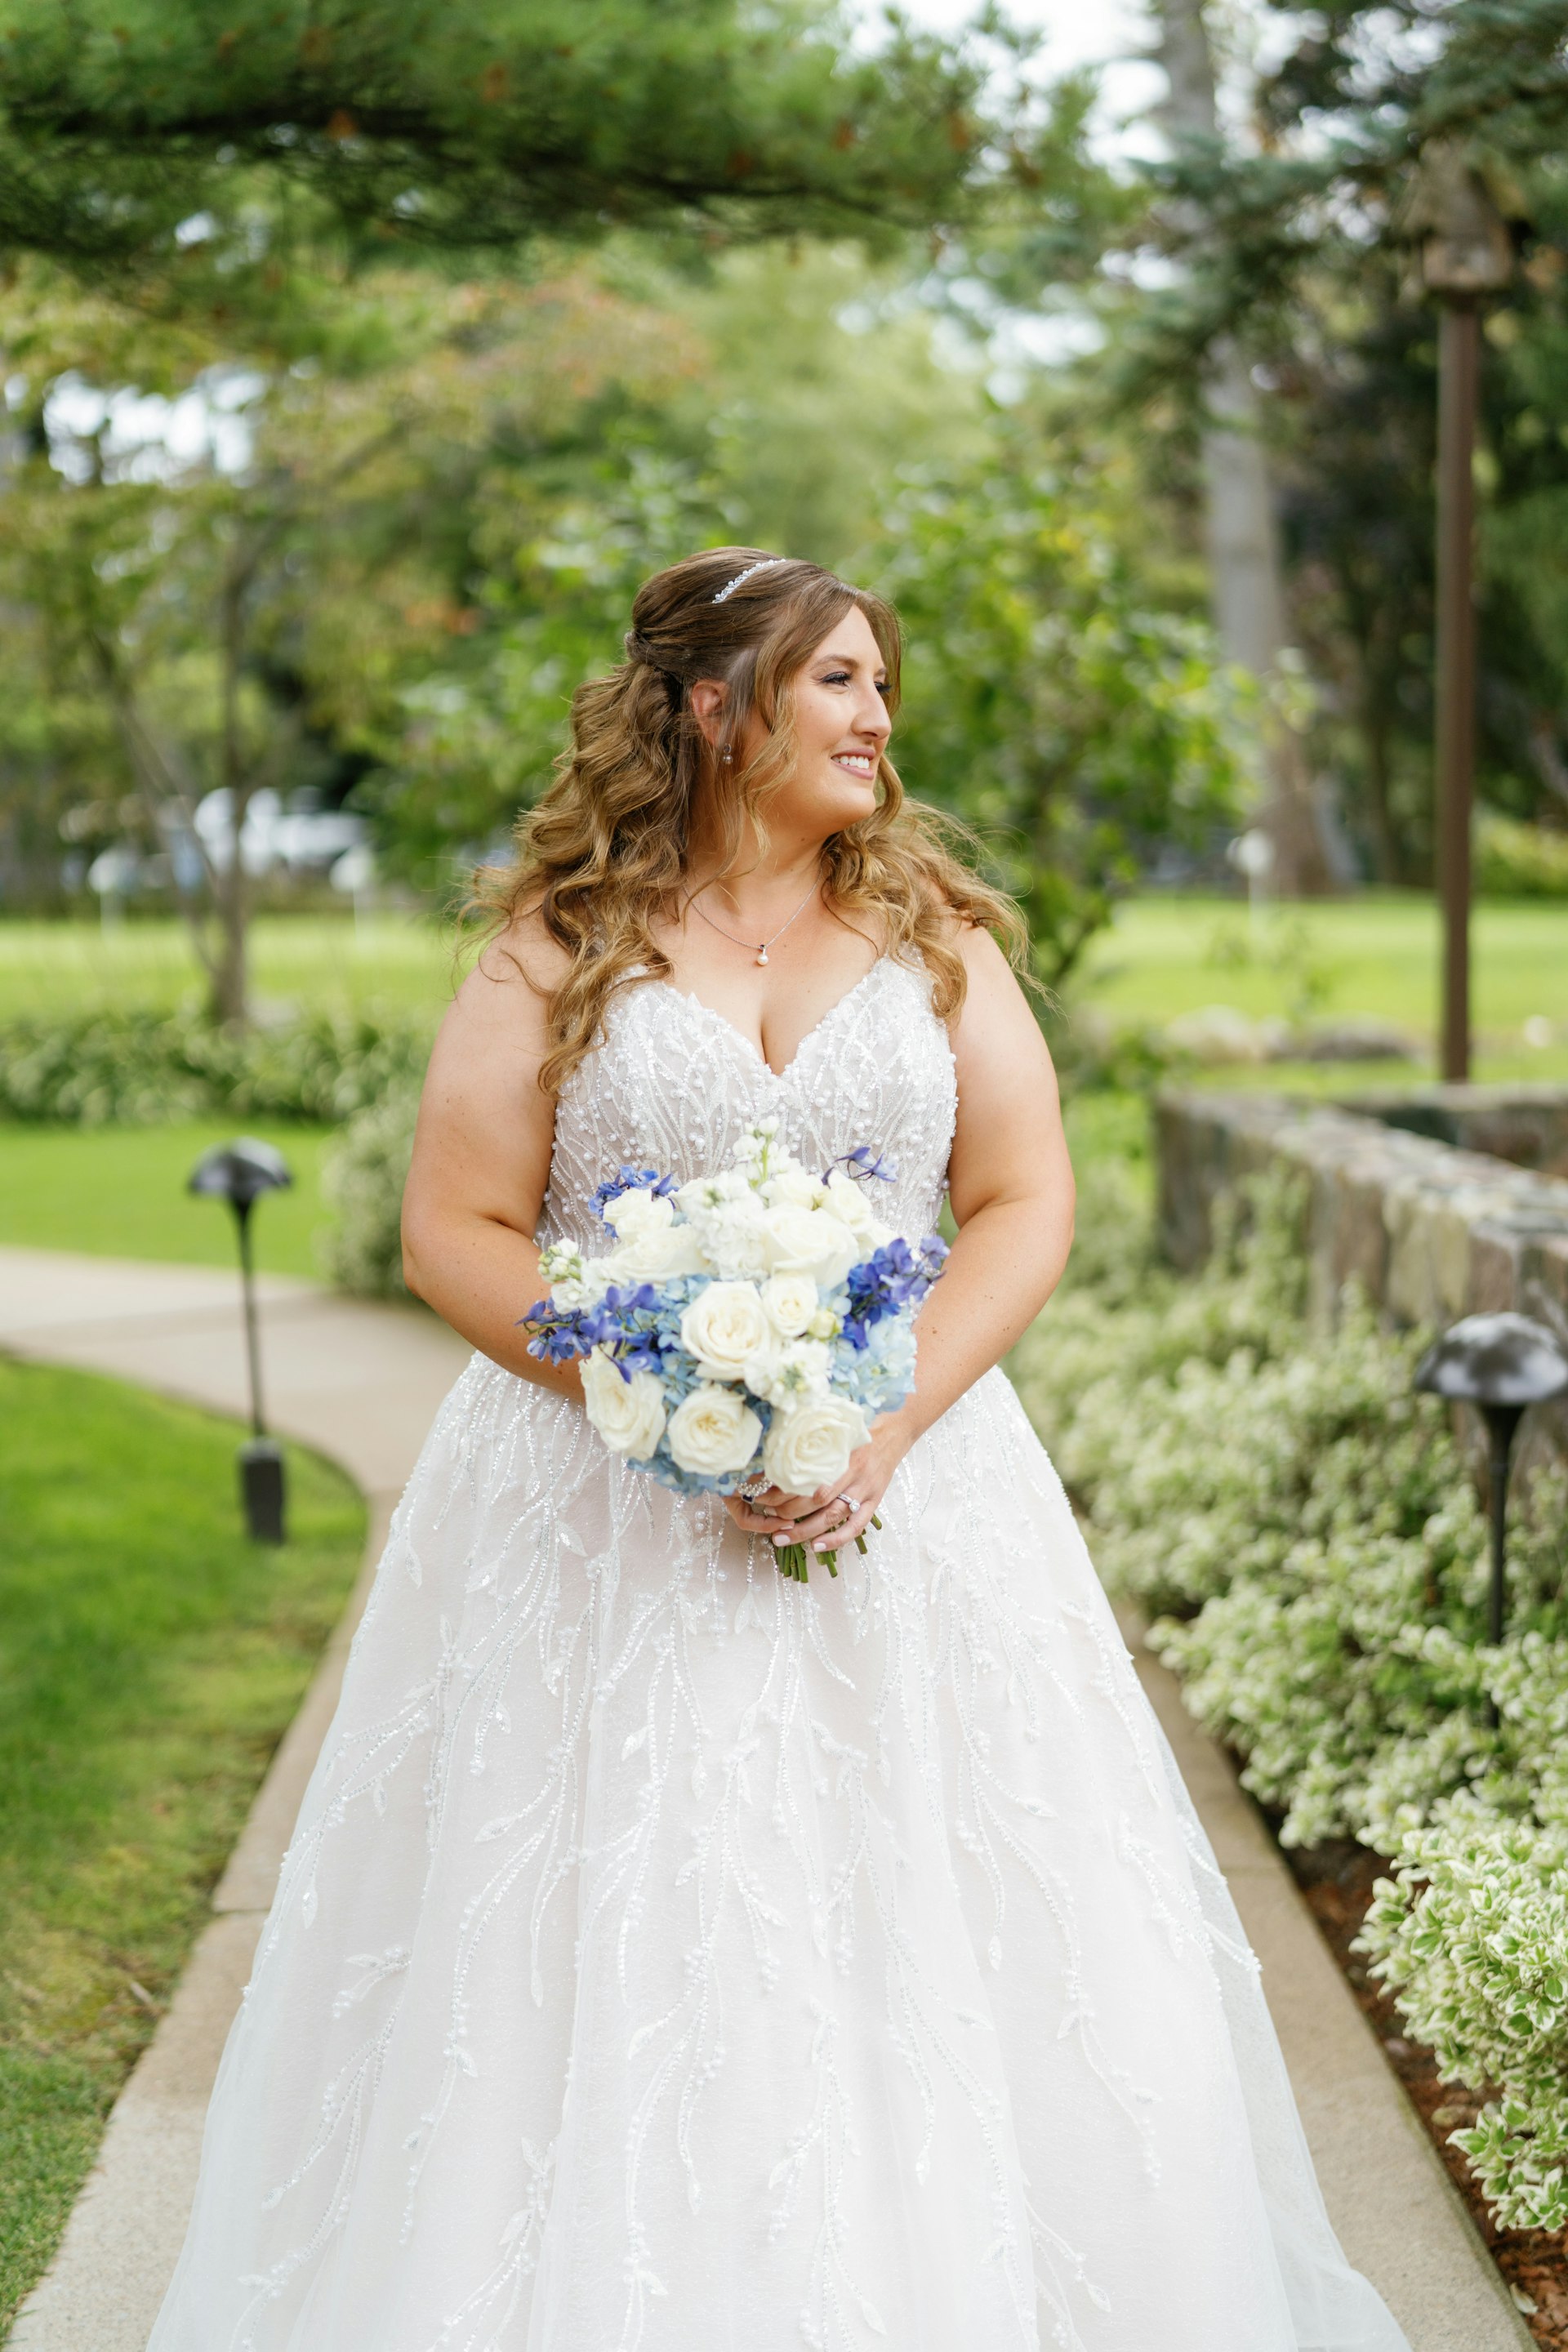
(1048, 701)
(1520, 861)
(476, 122)
(234, 628)
(1074, 724)
(363, 1184)
(1471, 1937)
(145, 1069)
(1309, 1525)
(152, 1658)
(1286, 233)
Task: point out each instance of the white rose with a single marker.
(712, 1432)
(656, 1255)
(792, 1374)
(627, 1413)
(723, 1325)
(791, 1302)
(825, 1324)
(795, 1186)
(641, 1211)
(814, 1242)
(810, 1446)
(847, 1200)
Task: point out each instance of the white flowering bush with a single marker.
(1304, 1532)
(1471, 1937)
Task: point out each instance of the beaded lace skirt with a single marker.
(673, 1958)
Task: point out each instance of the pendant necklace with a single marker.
(760, 951)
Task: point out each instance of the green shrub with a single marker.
(145, 1068)
(362, 1182)
(1471, 1937)
(1307, 1526)
(1520, 861)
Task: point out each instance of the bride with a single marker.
(672, 1958)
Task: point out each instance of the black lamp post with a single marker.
(239, 1173)
(1501, 1363)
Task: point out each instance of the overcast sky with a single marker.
(1078, 32)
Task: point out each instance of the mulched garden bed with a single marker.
(1336, 1879)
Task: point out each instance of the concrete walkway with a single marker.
(360, 1383)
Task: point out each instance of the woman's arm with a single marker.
(481, 1160)
(1011, 1187)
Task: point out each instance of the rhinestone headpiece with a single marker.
(751, 572)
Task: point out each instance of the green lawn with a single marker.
(120, 1192)
(150, 1660)
(299, 962)
(1375, 955)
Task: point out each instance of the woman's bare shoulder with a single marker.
(512, 978)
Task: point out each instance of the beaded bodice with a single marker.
(673, 1084)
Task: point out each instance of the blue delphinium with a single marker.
(892, 1278)
(768, 1359)
(630, 1180)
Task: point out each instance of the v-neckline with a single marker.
(687, 996)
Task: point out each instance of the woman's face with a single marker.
(841, 728)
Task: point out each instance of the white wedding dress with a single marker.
(674, 1958)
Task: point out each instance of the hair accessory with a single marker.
(766, 564)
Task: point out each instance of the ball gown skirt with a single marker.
(670, 1958)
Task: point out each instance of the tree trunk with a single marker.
(228, 977)
(230, 995)
(1241, 531)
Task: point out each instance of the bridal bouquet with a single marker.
(740, 1330)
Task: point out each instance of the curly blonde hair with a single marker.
(604, 854)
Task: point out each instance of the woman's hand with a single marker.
(820, 1521)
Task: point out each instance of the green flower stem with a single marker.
(791, 1561)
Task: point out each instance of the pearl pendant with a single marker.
(761, 955)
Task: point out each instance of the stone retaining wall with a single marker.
(1528, 1125)
(1432, 1231)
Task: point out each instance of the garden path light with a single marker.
(240, 1172)
(1501, 1363)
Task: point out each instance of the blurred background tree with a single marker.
(361, 363)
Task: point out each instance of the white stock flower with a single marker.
(756, 1144)
(723, 1325)
(810, 1446)
(791, 1303)
(735, 1238)
(641, 1211)
(708, 1193)
(627, 1413)
(713, 1432)
(811, 1241)
(564, 1269)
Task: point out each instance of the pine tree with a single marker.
(468, 123)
